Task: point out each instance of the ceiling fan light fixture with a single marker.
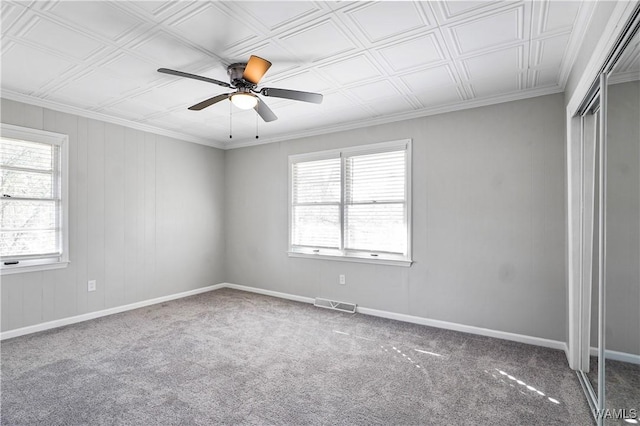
(244, 100)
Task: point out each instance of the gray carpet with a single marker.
(231, 357)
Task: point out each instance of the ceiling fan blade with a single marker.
(196, 77)
(209, 102)
(264, 111)
(255, 69)
(296, 95)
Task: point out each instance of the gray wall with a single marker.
(488, 220)
(146, 220)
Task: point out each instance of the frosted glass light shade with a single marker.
(244, 100)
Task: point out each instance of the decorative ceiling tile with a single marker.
(128, 108)
(96, 88)
(420, 51)
(499, 28)
(498, 85)
(9, 12)
(439, 96)
(350, 70)
(502, 61)
(546, 77)
(213, 29)
(280, 13)
(154, 7)
(553, 16)
(373, 91)
(319, 41)
(452, 9)
(549, 52)
(381, 20)
(336, 100)
(60, 39)
(167, 51)
(27, 69)
(96, 17)
(391, 105)
(129, 67)
(308, 81)
(433, 86)
(429, 79)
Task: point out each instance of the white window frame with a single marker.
(354, 255)
(62, 141)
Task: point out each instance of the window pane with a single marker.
(376, 227)
(316, 181)
(316, 226)
(20, 243)
(30, 155)
(27, 215)
(31, 188)
(26, 184)
(376, 177)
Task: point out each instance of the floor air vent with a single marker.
(338, 306)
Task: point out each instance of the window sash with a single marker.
(45, 237)
(350, 202)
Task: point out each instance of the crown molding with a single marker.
(425, 112)
(57, 106)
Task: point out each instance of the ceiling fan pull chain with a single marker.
(230, 121)
(257, 127)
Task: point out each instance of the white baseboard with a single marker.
(103, 313)
(538, 341)
(269, 293)
(617, 356)
(504, 335)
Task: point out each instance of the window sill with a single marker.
(352, 258)
(32, 267)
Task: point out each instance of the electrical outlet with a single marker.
(342, 280)
(91, 285)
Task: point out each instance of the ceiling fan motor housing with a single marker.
(235, 72)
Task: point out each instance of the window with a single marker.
(33, 216)
(352, 204)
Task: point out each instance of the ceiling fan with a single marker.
(244, 78)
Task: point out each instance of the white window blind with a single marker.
(316, 203)
(353, 204)
(375, 207)
(31, 204)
